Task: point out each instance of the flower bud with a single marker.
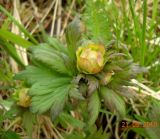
(24, 99)
(90, 58)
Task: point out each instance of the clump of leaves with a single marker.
(55, 81)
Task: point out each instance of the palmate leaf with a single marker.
(73, 35)
(34, 74)
(51, 57)
(113, 101)
(75, 93)
(66, 118)
(55, 43)
(57, 107)
(46, 86)
(97, 20)
(123, 71)
(93, 107)
(49, 92)
(93, 84)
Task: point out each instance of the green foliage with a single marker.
(113, 101)
(9, 135)
(153, 133)
(94, 105)
(55, 43)
(97, 21)
(33, 74)
(47, 93)
(75, 92)
(73, 36)
(16, 39)
(54, 59)
(21, 27)
(10, 114)
(154, 112)
(28, 121)
(98, 135)
(49, 88)
(11, 50)
(92, 133)
(67, 119)
(74, 136)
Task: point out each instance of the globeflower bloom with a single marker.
(90, 58)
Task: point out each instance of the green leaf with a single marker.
(98, 134)
(34, 74)
(140, 131)
(52, 58)
(10, 135)
(11, 50)
(28, 121)
(74, 92)
(7, 104)
(43, 87)
(71, 120)
(141, 118)
(73, 136)
(72, 37)
(97, 20)
(49, 93)
(153, 133)
(57, 108)
(93, 84)
(16, 39)
(154, 112)
(55, 43)
(113, 101)
(93, 108)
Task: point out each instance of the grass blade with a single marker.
(21, 27)
(16, 39)
(12, 52)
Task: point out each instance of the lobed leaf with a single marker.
(51, 57)
(55, 43)
(113, 101)
(93, 108)
(73, 35)
(34, 74)
(71, 120)
(46, 94)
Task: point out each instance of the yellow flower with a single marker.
(90, 58)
